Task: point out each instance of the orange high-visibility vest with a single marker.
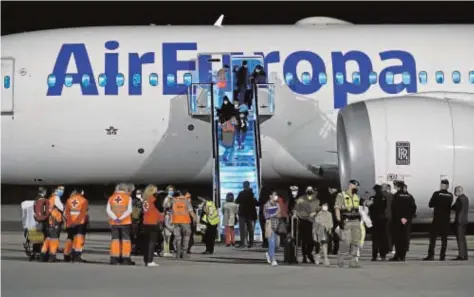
(55, 215)
(76, 210)
(180, 211)
(151, 215)
(119, 204)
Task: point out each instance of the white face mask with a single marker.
(294, 193)
(275, 197)
(325, 207)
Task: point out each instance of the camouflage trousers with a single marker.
(182, 234)
(350, 242)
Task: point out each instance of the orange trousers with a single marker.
(51, 242)
(229, 235)
(75, 240)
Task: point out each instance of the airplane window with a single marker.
(356, 78)
(423, 77)
(439, 77)
(85, 80)
(137, 80)
(373, 78)
(339, 78)
(471, 77)
(102, 80)
(170, 80)
(68, 80)
(51, 80)
(406, 79)
(120, 80)
(289, 78)
(306, 78)
(187, 79)
(6, 82)
(323, 78)
(456, 77)
(153, 79)
(389, 78)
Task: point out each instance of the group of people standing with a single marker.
(392, 215)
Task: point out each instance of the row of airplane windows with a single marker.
(305, 79)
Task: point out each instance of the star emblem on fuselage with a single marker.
(111, 130)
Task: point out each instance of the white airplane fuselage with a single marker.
(57, 135)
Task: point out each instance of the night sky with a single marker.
(30, 16)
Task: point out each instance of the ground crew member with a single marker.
(346, 208)
(441, 202)
(403, 210)
(119, 210)
(152, 217)
(306, 208)
(211, 219)
(181, 214)
(55, 220)
(76, 213)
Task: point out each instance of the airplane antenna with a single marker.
(219, 21)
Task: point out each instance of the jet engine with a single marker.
(419, 140)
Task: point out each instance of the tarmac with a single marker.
(231, 272)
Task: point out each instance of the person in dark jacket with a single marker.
(461, 209)
(242, 81)
(379, 221)
(242, 127)
(333, 241)
(441, 202)
(247, 214)
(258, 76)
(387, 193)
(403, 211)
(226, 111)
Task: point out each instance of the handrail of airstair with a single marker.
(257, 134)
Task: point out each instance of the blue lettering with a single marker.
(171, 65)
(111, 68)
(317, 64)
(408, 65)
(341, 91)
(135, 63)
(83, 64)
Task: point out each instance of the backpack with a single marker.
(228, 127)
(41, 208)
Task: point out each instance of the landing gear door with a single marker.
(8, 71)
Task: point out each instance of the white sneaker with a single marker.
(393, 252)
(274, 263)
(167, 255)
(318, 259)
(358, 253)
(156, 254)
(152, 264)
(268, 258)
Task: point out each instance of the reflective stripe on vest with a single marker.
(351, 203)
(213, 215)
(180, 214)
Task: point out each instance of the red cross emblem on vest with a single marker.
(74, 203)
(118, 199)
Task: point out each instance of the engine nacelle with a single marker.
(420, 140)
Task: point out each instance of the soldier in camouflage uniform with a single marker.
(348, 218)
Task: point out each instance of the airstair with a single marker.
(232, 166)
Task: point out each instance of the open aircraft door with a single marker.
(8, 71)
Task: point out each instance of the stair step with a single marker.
(237, 169)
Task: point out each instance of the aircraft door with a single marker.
(236, 62)
(8, 71)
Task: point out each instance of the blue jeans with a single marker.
(228, 152)
(272, 242)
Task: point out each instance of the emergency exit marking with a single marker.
(403, 153)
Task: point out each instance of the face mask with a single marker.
(294, 193)
(139, 196)
(275, 197)
(170, 193)
(257, 70)
(242, 116)
(325, 207)
(82, 192)
(59, 193)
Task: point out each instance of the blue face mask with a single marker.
(170, 193)
(59, 193)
